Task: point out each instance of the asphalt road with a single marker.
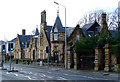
(29, 72)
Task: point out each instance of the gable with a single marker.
(91, 27)
(76, 30)
(17, 43)
(58, 24)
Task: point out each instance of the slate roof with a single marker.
(86, 27)
(23, 39)
(2, 42)
(13, 40)
(36, 32)
(59, 24)
(69, 31)
(49, 28)
(98, 28)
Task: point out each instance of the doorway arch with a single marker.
(56, 56)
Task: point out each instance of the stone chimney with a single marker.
(103, 17)
(23, 31)
(43, 20)
(103, 23)
(43, 16)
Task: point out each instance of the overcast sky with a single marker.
(16, 15)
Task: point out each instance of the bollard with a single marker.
(13, 66)
(41, 63)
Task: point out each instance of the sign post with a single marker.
(3, 53)
(11, 49)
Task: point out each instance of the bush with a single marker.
(104, 39)
(86, 45)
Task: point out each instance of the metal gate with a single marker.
(86, 62)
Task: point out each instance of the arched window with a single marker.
(55, 34)
(55, 30)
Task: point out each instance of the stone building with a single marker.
(53, 37)
(43, 38)
(25, 45)
(80, 61)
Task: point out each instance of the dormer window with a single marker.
(55, 34)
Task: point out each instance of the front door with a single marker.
(55, 56)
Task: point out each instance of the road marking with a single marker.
(90, 77)
(42, 75)
(28, 77)
(61, 78)
(16, 74)
(66, 74)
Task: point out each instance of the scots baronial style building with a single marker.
(34, 47)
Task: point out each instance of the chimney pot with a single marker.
(23, 31)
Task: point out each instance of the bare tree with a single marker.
(112, 18)
(91, 17)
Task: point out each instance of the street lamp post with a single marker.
(65, 36)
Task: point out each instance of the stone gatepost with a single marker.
(69, 61)
(107, 58)
(75, 61)
(98, 59)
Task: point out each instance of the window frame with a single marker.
(55, 34)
